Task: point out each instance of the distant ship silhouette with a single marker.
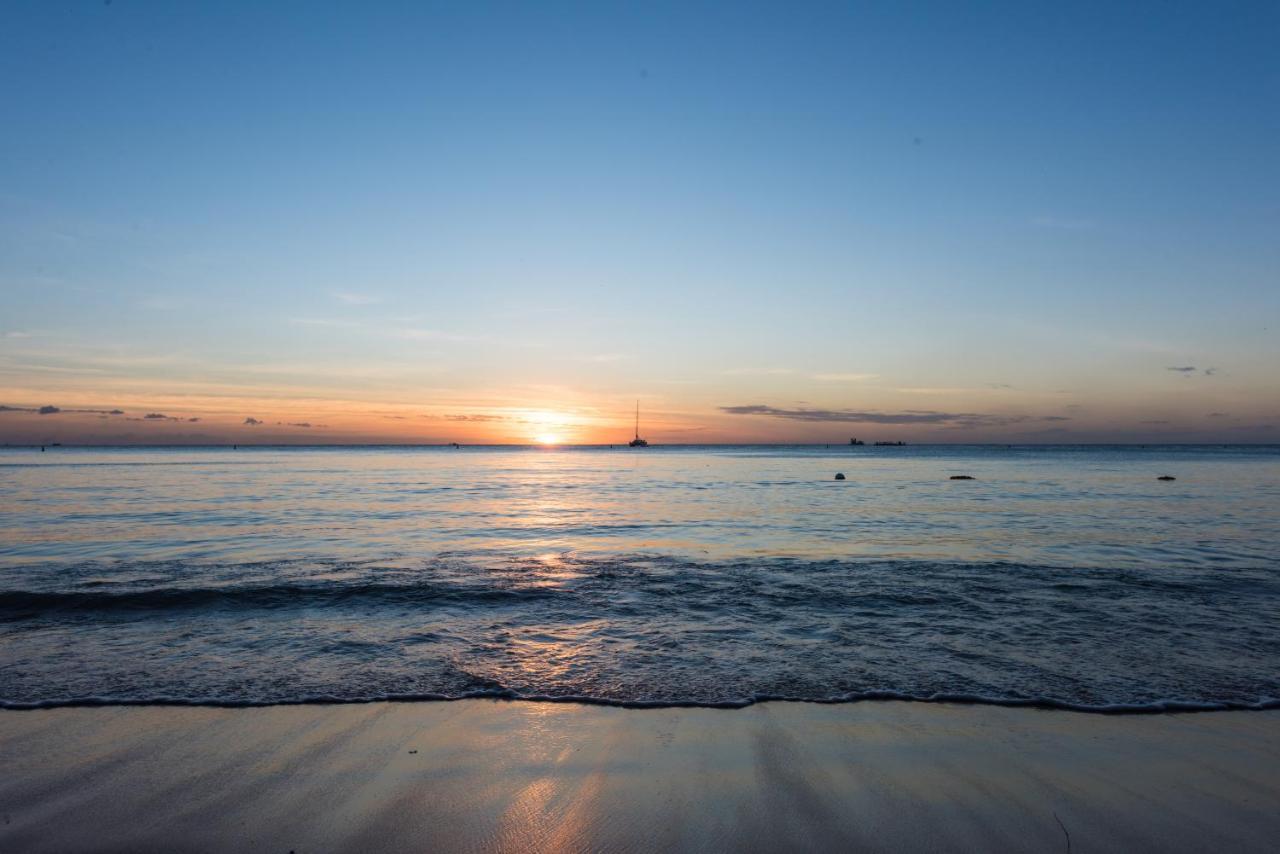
(637, 442)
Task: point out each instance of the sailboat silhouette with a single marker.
(637, 442)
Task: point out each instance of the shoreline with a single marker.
(487, 774)
(1158, 707)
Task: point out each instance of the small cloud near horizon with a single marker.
(160, 416)
(50, 409)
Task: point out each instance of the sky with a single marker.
(431, 222)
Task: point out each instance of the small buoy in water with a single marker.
(839, 475)
(1166, 477)
(962, 477)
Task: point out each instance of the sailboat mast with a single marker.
(637, 419)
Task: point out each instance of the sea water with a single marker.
(1062, 576)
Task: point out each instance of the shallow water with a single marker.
(1064, 576)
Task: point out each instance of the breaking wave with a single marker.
(639, 630)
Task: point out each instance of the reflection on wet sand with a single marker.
(482, 775)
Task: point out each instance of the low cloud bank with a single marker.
(50, 409)
(912, 416)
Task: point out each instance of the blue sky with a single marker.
(390, 219)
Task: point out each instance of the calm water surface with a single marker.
(1062, 576)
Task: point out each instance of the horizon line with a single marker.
(623, 444)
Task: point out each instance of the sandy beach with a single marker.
(523, 776)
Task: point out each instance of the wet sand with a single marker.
(517, 776)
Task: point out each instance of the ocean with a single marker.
(699, 575)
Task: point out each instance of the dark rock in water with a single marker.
(962, 477)
(839, 475)
(1166, 477)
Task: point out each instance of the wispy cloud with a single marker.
(353, 298)
(162, 302)
(385, 329)
(1184, 369)
(914, 416)
(324, 321)
(844, 378)
(429, 335)
(943, 390)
